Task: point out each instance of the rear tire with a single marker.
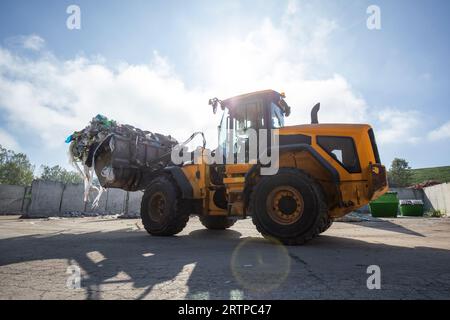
(162, 210)
(217, 222)
(289, 207)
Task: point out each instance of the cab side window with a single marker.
(343, 150)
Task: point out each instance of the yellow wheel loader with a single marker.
(318, 172)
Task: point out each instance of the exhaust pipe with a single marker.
(314, 111)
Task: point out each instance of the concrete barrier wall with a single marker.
(72, 199)
(408, 193)
(115, 201)
(11, 199)
(134, 204)
(437, 197)
(47, 199)
(27, 199)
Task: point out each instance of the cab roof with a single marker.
(264, 94)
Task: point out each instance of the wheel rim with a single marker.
(157, 206)
(285, 205)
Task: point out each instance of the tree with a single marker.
(59, 174)
(400, 173)
(15, 168)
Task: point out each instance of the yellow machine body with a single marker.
(350, 192)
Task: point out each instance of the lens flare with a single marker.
(260, 266)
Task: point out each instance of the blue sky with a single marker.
(138, 61)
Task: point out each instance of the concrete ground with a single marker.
(119, 260)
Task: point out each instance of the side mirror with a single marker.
(214, 102)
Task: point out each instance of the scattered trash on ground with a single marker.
(81, 214)
(356, 217)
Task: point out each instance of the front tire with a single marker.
(162, 210)
(289, 206)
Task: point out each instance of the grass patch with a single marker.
(441, 174)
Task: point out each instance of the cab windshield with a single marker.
(224, 123)
(239, 121)
(252, 115)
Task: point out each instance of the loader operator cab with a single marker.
(258, 110)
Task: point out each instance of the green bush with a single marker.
(435, 213)
(15, 168)
(59, 174)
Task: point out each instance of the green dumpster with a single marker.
(385, 206)
(411, 208)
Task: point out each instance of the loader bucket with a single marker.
(129, 163)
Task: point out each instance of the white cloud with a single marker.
(398, 127)
(33, 42)
(281, 56)
(7, 141)
(292, 7)
(443, 132)
(273, 52)
(49, 98)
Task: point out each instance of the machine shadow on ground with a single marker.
(226, 265)
(380, 224)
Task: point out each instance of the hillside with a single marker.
(441, 174)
